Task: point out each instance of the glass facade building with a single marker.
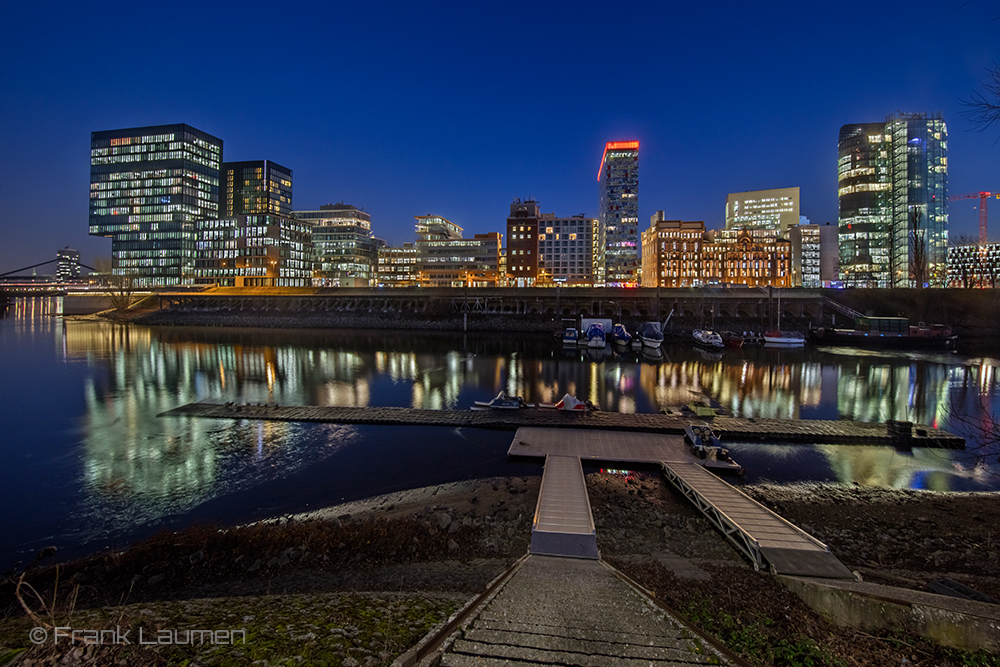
(893, 198)
(618, 243)
(566, 250)
(148, 186)
(254, 251)
(256, 186)
(344, 249)
(67, 265)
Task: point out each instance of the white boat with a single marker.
(785, 338)
(708, 339)
(650, 334)
(569, 404)
(596, 336)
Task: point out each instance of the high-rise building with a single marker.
(256, 186)
(343, 245)
(522, 243)
(893, 195)
(446, 259)
(67, 264)
(148, 186)
(763, 209)
(257, 250)
(672, 252)
(618, 243)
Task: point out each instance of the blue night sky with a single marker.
(405, 109)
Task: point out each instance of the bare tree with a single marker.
(983, 108)
(121, 291)
(918, 248)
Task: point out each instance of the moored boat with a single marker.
(731, 339)
(570, 336)
(888, 332)
(620, 335)
(570, 404)
(785, 338)
(708, 449)
(650, 334)
(596, 336)
(707, 339)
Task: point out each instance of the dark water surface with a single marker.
(87, 463)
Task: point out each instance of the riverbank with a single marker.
(420, 554)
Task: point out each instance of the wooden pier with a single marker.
(764, 537)
(730, 429)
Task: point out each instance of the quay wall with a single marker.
(971, 313)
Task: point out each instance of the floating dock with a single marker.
(768, 540)
(732, 429)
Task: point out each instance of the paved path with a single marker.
(567, 611)
(728, 428)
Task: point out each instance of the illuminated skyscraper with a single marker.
(617, 260)
(256, 186)
(344, 248)
(893, 194)
(148, 186)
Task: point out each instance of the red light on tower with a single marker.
(616, 146)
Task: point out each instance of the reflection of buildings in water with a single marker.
(876, 389)
(923, 468)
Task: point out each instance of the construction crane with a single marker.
(983, 198)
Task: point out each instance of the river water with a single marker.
(88, 464)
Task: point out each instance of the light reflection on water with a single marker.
(111, 464)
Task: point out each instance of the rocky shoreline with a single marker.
(440, 545)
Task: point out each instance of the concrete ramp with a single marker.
(563, 524)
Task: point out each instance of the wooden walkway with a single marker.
(728, 428)
(765, 538)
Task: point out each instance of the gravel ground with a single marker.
(439, 546)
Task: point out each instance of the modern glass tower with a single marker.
(345, 253)
(256, 186)
(893, 194)
(148, 186)
(617, 252)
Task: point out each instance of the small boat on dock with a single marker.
(503, 401)
(570, 404)
(708, 449)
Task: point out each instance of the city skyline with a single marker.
(420, 114)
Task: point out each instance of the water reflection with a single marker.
(121, 465)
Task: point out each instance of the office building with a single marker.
(148, 186)
(893, 197)
(672, 252)
(343, 245)
(974, 265)
(398, 266)
(257, 186)
(566, 250)
(67, 264)
(522, 243)
(815, 255)
(618, 242)
(763, 209)
(257, 250)
(446, 259)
